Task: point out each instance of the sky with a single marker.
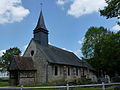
(66, 20)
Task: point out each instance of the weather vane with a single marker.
(41, 4)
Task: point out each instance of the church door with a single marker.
(14, 78)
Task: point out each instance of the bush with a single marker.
(4, 79)
(116, 79)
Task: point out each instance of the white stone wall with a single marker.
(63, 73)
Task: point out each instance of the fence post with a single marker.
(103, 86)
(67, 86)
(21, 87)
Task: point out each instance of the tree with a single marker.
(112, 9)
(7, 57)
(105, 49)
(92, 36)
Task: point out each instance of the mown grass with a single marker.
(4, 83)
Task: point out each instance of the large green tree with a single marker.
(102, 50)
(7, 57)
(107, 52)
(92, 36)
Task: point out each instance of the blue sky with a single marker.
(66, 20)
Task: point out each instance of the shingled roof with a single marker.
(21, 63)
(57, 55)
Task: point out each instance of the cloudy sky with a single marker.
(66, 20)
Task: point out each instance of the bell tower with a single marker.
(41, 32)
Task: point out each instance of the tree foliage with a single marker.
(92, 36)
(105, 51)
(7, 57)
(112, 9)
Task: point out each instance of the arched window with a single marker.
(32, 53)
(77, 71)
(56, 70)
(68, 71)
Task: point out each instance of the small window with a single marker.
(61, 70)
(32, 53)
(68, 71)
(56, 70)
(77, 71)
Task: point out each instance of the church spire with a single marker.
(41, 23)
(41, 32)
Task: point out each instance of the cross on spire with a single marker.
(41, 4)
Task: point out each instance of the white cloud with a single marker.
(81, 41)
(50, 43)
(12, 11)
(24, 47)
(78, 52)
(1, 52)
(61, 2)
(116, 28)
(82, 7)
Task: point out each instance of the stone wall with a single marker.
(39, 62)
(63, 76)
(27, 81)
(75, 73)
(27, 78)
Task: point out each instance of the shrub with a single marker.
(116, 79)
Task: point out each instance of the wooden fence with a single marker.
(67, 87)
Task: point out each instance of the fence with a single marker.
(67, 87)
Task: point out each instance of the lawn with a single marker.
(4, 83)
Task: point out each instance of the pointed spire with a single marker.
(41, 23)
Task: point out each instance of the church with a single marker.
(43, 63)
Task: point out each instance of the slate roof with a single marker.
(21, 63)
(41, 23)
(57, 55)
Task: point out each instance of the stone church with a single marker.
(43, 63)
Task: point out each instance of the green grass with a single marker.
(3, 84)
(92, 89)
(70, 89)
(4, 79)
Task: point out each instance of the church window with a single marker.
(32, 53)
(68, 71)
(61, 70)
(77, 71)
(56, 70)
